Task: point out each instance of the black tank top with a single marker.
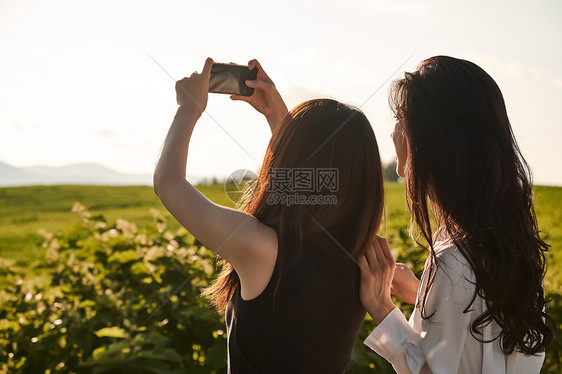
(308, 325)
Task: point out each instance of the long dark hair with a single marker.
(319, 134)
(463, 157)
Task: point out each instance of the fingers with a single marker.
(207, 67)
(364, 265)
(386, 250)
(260, 84)
(366, 270)
(240, 97)
(261, 73)
(371, 256)
(379, 257)
(180, 87)
(254, 63)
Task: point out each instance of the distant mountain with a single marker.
(84, 173)
(11, 176)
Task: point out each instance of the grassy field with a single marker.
(26, 210)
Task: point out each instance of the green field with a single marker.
(26, 210)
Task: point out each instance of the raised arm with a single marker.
(247, 244)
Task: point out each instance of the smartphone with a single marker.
(231, 78)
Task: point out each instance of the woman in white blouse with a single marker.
(480, 305)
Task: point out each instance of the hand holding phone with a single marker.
(265, 99)
(231, 79)
(192, 92)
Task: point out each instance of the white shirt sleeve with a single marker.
(438, 346)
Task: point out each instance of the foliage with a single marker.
(121, 300)
(25, 210)
(122, 297)
(118, 300)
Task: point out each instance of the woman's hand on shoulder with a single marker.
(377, 272)
(265, 99)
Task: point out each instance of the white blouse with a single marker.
(444, 344)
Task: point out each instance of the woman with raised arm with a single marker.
(480, 307)
(290, 283)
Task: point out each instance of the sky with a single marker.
(93, 81)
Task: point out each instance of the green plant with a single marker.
(118, 301)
